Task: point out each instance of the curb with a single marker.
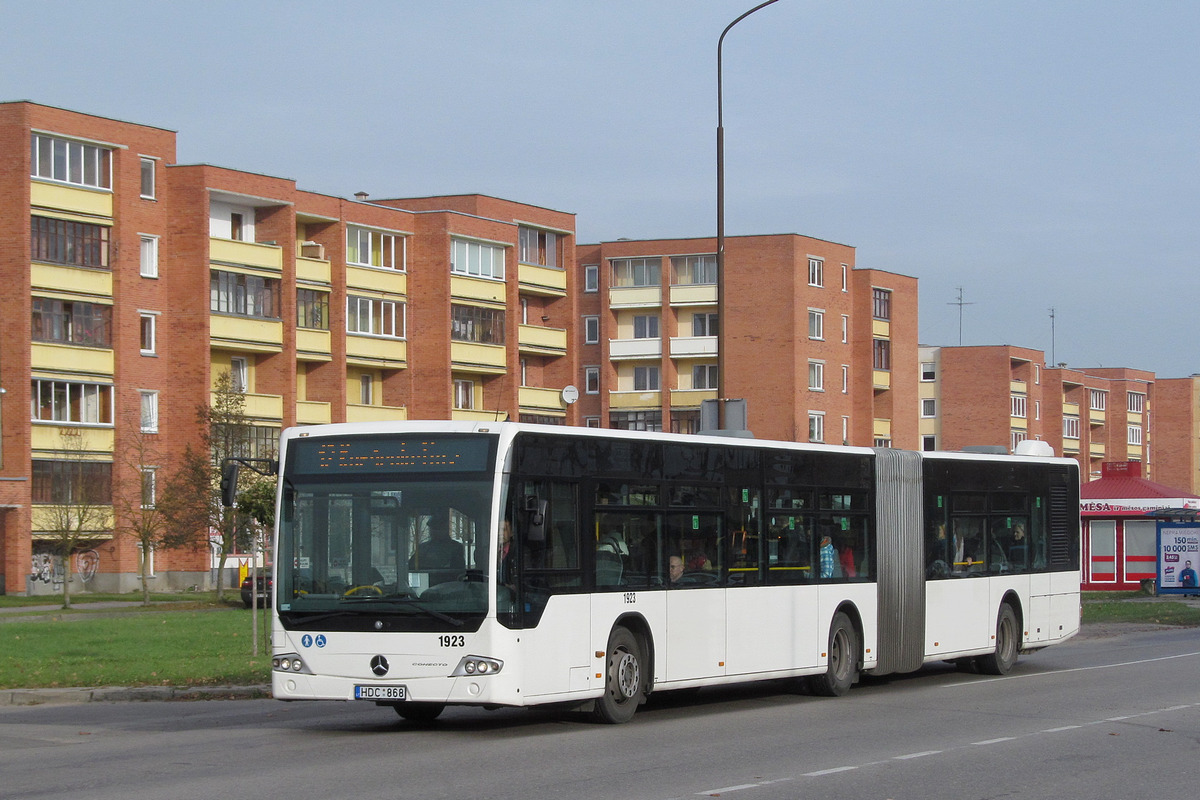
(127, 694)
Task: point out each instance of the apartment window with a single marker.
(239, 374)
(637, 272)
(591, 380)
(373, 316)
(845, 328)
(816, 376)
(929, 443)
(928, 371)
(845, 430)
(816, 272)
(591, 278)
(524, 372)
(1135, 435)
(148, 166)
(369, 248)
(882, 441)
(1037, 374)
(149, 412)
(645, 326)
(1099, 399)
(816, 324)
(149, 324)
(1015, 437)
(69, 161)
(67, 401)
(816, 426)
(928, 407)
(845, 277)
(366, 385)
(845, 379)
(60, 482)
(243, 295)
(72, 322)
(1037, 410)
(1137, 403)
(591, 422)
(704, 376)
(524, 310)
(312, 309)
(704, 325)
(149, 487)
(477, 324)
(635, 420)
(591, 330)
(464, 394)
(237, 226)
(1070, 427)
(75, 244)
(693, 270)
(539, 247)
(881, 304)
(882, 352)
(149, 256)
(1018, 405)
(646, 379)
(476, 259)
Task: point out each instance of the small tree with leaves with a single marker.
(80, 507)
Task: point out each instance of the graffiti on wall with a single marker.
(48, 567)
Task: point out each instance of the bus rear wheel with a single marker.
(1008, 640)
(419, 712)
(842, 671)
(624, 687)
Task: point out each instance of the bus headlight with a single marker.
(477, 665)
(289, 662)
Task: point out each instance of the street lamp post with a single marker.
(721, 224)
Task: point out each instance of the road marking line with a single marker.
(1067, 671)
(995, 741)
(1063, 728)
(917, 755)
(821, 772)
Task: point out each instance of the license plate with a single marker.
(380, 692)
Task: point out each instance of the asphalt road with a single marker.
(1098, 717)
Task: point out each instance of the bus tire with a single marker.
(624, 684)
(842, 670)
(1008, 642)
(419, 712)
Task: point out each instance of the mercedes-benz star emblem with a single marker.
(379, 666)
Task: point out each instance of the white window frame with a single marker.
(149, 410)
(1019, 406)
(845, 277)
(1137, 403)
(816, 426)
(1135, 435)
(366, 389)
(464, 394)
(148, 320)
(147, 161)
(928, 371)
(591, 378)
(816, 271)
(928, 407)
(149, 486)
(64, 155)
(148, 255)
(845, 379)
(816, 375)
(377, 308)
(816, 324)
(239, 374)
(477, 259)
(1071, 427)
(845, 328)
(360, 237)
(650, 379)
(591, 330)
(1098, 399)
(591, 278)
(648, 325)
(704, 376)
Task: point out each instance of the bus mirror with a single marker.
(229, 480)
(535, 519)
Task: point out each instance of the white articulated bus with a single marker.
(426, 564)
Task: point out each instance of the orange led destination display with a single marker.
(390, 455)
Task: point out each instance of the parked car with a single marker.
(264, 591)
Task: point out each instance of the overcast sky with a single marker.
(1037, 154)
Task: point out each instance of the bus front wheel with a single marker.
(624, 686)
(842, 670)
(419, 712)
(1008, 640)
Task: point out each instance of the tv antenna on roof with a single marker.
(960, 303)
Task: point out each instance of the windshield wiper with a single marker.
(404, 600)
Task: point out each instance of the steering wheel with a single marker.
(365, 589)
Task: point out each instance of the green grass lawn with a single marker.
(148, 648)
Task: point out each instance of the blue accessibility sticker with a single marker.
(306, 640)
(320, 640)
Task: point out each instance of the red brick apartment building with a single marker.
(135, 281)
(1177, 432)
(1001, 395)
(821, 351)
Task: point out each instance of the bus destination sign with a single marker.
(389, 455)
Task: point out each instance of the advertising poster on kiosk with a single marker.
(1178, 558)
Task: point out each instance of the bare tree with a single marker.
(80, 501)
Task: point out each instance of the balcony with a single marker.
(545, 281)
(691, 398)
(48, 437)
(258, 406)
(1095, 417)
(313, 270)
(538, 399)
(881, 428)
(634, 348)
(93, 202)
(376, 351)
(693, 346)
(1096, 449)
(313, 345)
(356, 412)
(470, 288)
(48, 518)
(388, 281)
(1071, 409)
(634, 400)
(635, 297)
(248, 254)
(881, 328)
(473, 415)
(72, 279)
(72, 358)
(491, 359)
(703, 294)
(1018, 387)
(881, 379)
(246, 333)
(313, 412)
(542, 341)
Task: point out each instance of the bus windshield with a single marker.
(397, 544)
